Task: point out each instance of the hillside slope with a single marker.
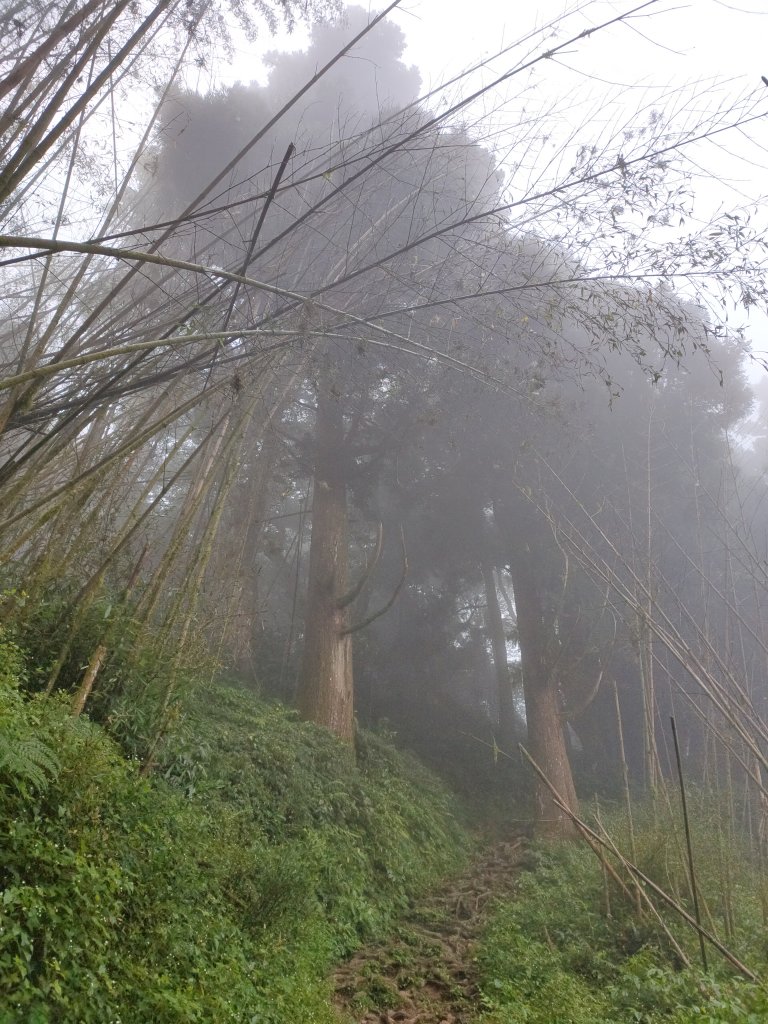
(224, 888)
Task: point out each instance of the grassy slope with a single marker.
(226, 887)
(552, 955)
(223, 889)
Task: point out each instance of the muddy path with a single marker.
(424, 974)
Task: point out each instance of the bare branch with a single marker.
(355, 628)
(357, 589)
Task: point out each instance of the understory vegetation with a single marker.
(222, 891)
(570, 948)
(383, 460)
(261, 852)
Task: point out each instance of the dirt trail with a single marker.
(424, 974)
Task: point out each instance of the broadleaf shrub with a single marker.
(220, 890)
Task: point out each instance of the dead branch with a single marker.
(354, 593)
(356, 627)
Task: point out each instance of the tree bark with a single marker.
(326, 681)
(495, 627)
(546, 739)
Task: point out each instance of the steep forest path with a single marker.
(425, 973)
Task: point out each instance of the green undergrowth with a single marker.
(223, 888)
(570, 948)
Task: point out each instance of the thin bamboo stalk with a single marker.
(84, 690)
(646, 881)
(689, 845)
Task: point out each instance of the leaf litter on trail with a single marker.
(424, 973)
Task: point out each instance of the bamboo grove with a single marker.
(363, 401)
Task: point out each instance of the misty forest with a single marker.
(384, 531)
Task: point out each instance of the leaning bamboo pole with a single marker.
(196, 494)
(647, 882)
(192, 589)
(84, 689)
(90, 589)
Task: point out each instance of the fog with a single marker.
(384, 497)
(463, 452)
(550, 458)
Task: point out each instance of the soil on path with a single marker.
(425, 973)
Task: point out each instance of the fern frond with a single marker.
(26, 759)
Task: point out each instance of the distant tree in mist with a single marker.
(312, 306)
(358, 260)
(486, 486)
(198, 134)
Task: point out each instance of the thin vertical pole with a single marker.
(692, 873)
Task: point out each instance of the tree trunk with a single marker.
(495, 627)
(325, 682)
(546, 739)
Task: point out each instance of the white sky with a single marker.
(665, 45)
(668, 39)
(606, 75)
